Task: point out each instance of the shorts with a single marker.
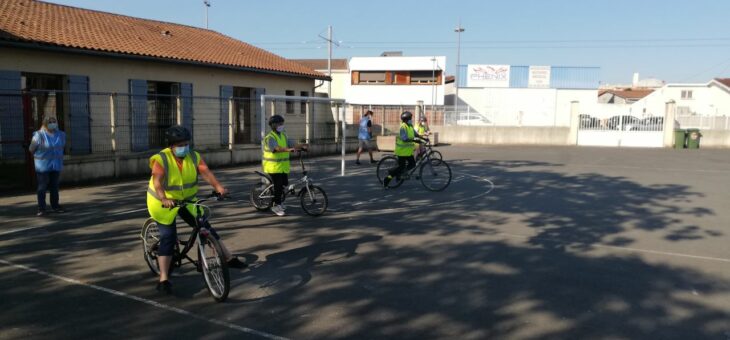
(365, 144)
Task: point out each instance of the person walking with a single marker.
(365, 137)
(47, 149)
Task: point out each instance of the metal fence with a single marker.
(704, 122)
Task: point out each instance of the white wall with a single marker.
(654, 104)
(340, 80)
(396, 94)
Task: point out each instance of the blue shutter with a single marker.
(186, 100)
(79, 129)
(226, 93)
(256, 100)
(11, 115)
(138, 114)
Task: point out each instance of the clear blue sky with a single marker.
(677, 41)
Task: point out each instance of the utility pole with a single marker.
(207, 5)
(458, 31)
(330, 42)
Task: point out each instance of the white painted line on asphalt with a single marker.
(631, 249)
(21, 229)
(126, 212)
(145, 301)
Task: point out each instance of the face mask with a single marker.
(181, 151)
(280, 128)
(409, 122)
(52, 126)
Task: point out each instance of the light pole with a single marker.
(458, 31)
(207, 5)
(433, 83)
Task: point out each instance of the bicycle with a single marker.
(211, 261)
(434, 154)
(434, 173)
(312, 198)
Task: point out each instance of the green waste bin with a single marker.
(693, 138)
(680, 139)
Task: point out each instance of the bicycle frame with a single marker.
(195, 235)
(302, 183)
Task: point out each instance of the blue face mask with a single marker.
(280, 128)
(410, 122)
(181, 151)
(52, 126)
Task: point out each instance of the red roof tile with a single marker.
(724, 81)
(628, 93)
(64, 26)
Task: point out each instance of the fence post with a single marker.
(179, 110)
(574, 123)
(113, 117)
(669, 116)
(344, 139)
(337, 121)
(230, 124)
(307, 122)
(382, 120)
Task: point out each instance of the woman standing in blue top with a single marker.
(47, 149)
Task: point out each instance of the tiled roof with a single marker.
(724, 81)
(628, 93)
(321, 64)
(29, 21)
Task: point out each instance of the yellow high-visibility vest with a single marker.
(275, 162)
(403, 148)
(178, 185)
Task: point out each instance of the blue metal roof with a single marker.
(561, 77)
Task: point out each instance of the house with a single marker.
(624, 96)
(702, 99)
(393, 79)
(117, 82)
(340, 75)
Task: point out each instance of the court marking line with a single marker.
(145, 301)
(8, 232)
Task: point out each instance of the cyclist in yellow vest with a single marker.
(275, 160)
(422, 130)
(405, 144)
(175, 172)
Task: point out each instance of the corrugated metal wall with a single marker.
(561, 77)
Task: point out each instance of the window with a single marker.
(242, 115)
(686, 94)
(290, 103)
(424, 77)
(303, 103)
(161, 110)
(48, 97)
(370, 77)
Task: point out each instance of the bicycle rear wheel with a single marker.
(435, 175)
(214, 267)
(384, 165)
(314, 201)
(261, 197)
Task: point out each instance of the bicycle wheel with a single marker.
(262, 197)
(150, 246)
(435, 175)
(214, 267)
(386, 163)
(436, 155)
(314, 201)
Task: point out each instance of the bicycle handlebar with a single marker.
(218, 197)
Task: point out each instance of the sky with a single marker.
(675, 41)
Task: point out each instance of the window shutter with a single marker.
(11, 115)
(79, 129)
(138, 114)
(226, 94)
(258, 113)
(186, 100)
(355, 77)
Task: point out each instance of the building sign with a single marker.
(539, 77)
(487, 76)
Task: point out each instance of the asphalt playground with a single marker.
(526, 243)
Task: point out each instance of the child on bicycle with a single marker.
(175, 172)
(423, 130)
(405, 144)
(275, 159)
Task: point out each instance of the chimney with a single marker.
(635, 82)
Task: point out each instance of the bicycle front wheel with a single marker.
(214, 267)
(384, 165)
(151, 244)
(314, 200)
(262, 197)
(435, 175)
(435, 155)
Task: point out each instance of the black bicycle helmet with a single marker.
(176, 134)
(276, 119)
(406, 116)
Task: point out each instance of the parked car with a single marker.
(588, 122)
(473, 119)
(624, 122)
(649, 124)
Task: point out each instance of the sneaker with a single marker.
(164, 287)
(386, 181)
(278, 210)
(59, 210)
(357, 162)
(236, 263)
(41, 213)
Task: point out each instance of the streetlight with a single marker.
(433, 83)
(458, 31)
(207, 5)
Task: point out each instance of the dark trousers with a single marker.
(48, 181)
(280, 181)
(168, 232)
(404, 163)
